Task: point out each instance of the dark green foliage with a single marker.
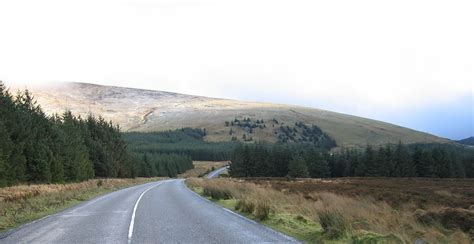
(371, 163)
(247, 124)
(298, 168)
(77, 165)
(170, 153)
(317, 164)
(404, 166)
(37, 148)
(184, 141)
(424, 162)
(302, 160)
(301, 133)
(6, 147)
(254, 160)
(165, 165)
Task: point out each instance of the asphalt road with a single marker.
(216, 173)
(159, 212)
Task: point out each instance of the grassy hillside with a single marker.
(145, 110)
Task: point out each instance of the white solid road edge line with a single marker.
(289, 238)
(132, 221)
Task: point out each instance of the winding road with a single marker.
(217, 172)
(159, 212)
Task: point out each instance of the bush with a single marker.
(333, 223)
(245, 206)
(216, 193)
(262, 211)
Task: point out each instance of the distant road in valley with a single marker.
(217, 172)
(160, 212)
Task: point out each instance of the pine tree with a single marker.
(383, 162)
(457, 166)
(404, 166)
(423, 162)
(371, 162)
(5, 151)
(298, 168)
(280, 156)
(317, 165)
(77, 163)
(442, 163)
(262, 165)
(360, 166)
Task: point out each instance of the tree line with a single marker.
(37, 148)
(418, 160)
(164, 165)
(186, 141)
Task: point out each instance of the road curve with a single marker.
(216, 173)
(164, 212)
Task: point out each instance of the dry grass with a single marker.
(202, 168)
(24, 203)
(416, 193)
(363, 218)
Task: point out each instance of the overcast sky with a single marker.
(406, 62)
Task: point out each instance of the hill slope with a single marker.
(146, 110)
(467, 141)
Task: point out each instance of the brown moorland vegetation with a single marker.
(421, 193)
(322, 215)
(24, 203)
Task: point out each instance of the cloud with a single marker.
(356, 55)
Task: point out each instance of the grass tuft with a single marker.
(333, 223)
(217, 193)
(262, 211)
(245, 206)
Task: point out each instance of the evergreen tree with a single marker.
(360, 166)
(5, 151)
(371, 162)
(457, 166)
(468, 162)
(317, 165)
(262, 164)
(78, 165)
(38, 148)
(442, 163)
(237, 167)
(423, 162)
(280, 156)
(298, 168)
(404, 166)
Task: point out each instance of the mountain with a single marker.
(223, 119)
(468, 141)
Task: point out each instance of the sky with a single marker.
(405, 62)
